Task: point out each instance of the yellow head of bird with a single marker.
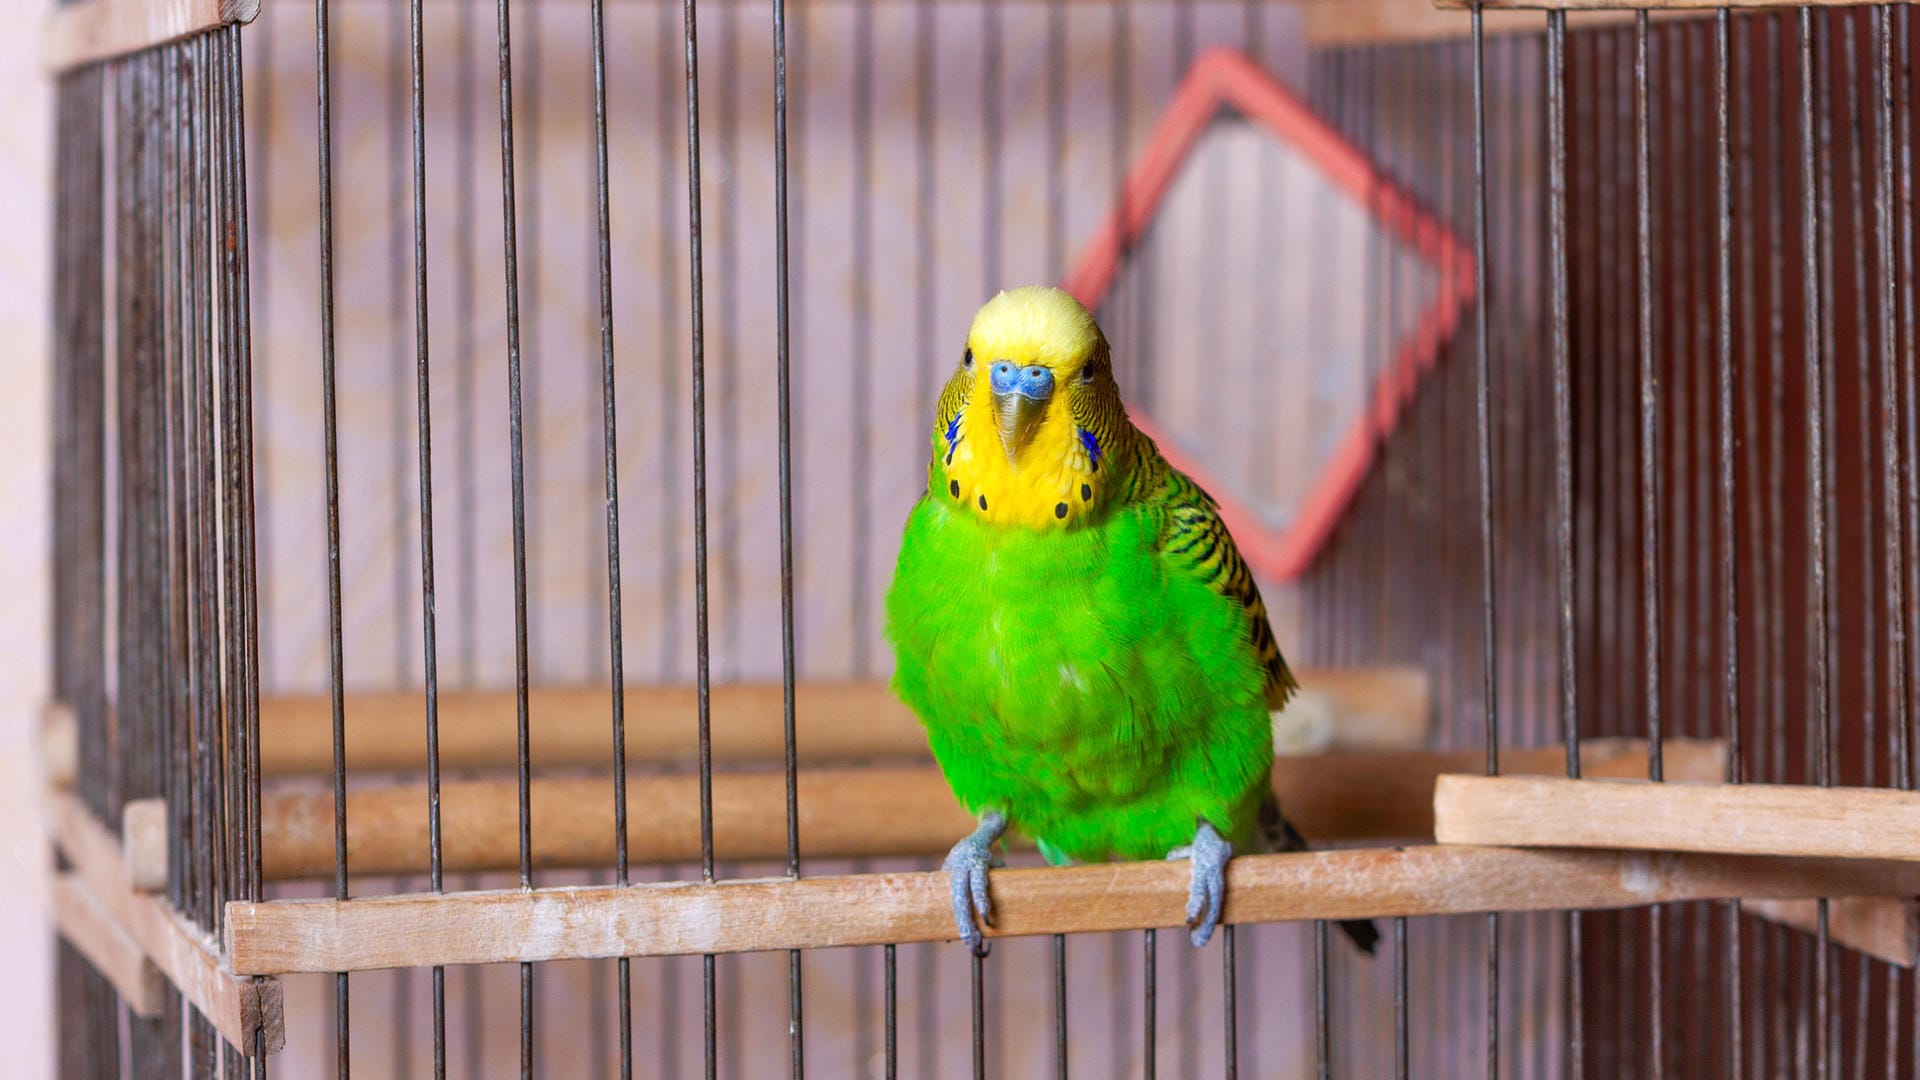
(1032, 412)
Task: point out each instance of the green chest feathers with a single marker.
(1069, 680)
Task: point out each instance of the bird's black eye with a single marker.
(967, 359)
(1090, 371)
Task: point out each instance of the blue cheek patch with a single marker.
(953, 436)
(1092, 446)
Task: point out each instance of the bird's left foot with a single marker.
(1209, 854)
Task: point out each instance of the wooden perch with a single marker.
(287, 936)
(1755, 819)
(59, 746)
(1744, 818)
(1328, 24)
(1884, 927)
(92, 30)
(867, 812)
(238, 1007)
(113, 953)
(143, 843)
(836, 722)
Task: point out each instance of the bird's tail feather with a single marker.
(1282, 836)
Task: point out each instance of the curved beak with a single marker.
(1019, 417)
(1020, 397)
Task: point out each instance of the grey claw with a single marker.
(967, 865)
(1209, 854)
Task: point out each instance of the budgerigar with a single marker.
(1076, 630)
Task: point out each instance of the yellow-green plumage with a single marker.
(1103, 676)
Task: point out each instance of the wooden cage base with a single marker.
(287, 936)
(140, 944)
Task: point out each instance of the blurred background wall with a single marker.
(25, 1017)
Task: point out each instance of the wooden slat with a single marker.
(92, 30)
(1334, 23)
(238, 1007)
(287, 936)
(143, 843)
(88, 928)
(1884, 927)
(59, 746)
(872, 812)
(1770, 819)
(836, 722)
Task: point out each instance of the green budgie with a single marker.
(1074, 627)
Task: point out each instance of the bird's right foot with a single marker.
(967, 864)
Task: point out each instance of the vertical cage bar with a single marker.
(696, 306)
(1056, 137)
(1751, 343)
(424, 427)
(1229, 992)
(702, 659)
(1649, 405)
(175, 654)
(1900, 716)
(783, 362)
(1484, 447)
(249, 631)
(1060, 1006)
(220, 520)
(1559, 348)
(979, 1018)
(1775, 496)
(201, 487)
(890, 1050)
(1811, 231)
(1649, 492)
(518, 479)
(1322, 1005)
(926, 71)
(616, 651)
(330, 451)
(1336, 98)
(1911, 388)
(1729, 544)
(1149, 1000)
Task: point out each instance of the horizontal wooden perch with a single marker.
(91, 30)
(286, 936)
(1883, 927)
(1745, 818)
(1755, 819)
(834, 721)
(59, 745)
(239, 1008)
(1333, 23)
(87, 926)
(870, 812)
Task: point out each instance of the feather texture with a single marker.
(1103, 677)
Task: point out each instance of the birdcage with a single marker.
(482, 433)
